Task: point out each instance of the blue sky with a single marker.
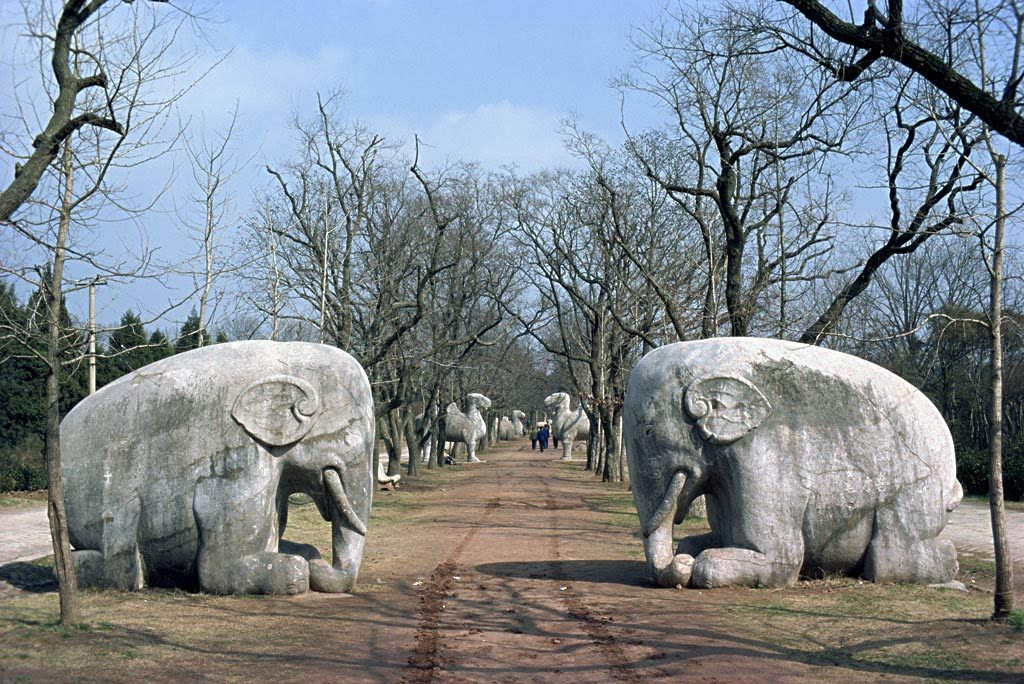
(483, 81)
(487, 81)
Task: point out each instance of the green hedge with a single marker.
(22, 467)
(972, 471)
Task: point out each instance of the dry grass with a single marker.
(12, 500)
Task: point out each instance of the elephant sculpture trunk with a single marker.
(665, 567)
(348, 534)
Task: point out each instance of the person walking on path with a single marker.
(533, 437)
(542, 437)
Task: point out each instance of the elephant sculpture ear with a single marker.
(278, 410)
(725, 407)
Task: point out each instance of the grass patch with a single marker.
(909, 630)
(1016, 620)
(983, 500)
(617, 507)
(15, 500)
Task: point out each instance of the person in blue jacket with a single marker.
(542, 437)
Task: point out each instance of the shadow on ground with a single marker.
(632, 573)
(29, 577)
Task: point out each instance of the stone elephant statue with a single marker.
(811, 461)
(467, 427)
(178, 474)
(567, 426)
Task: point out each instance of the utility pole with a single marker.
(92, 337)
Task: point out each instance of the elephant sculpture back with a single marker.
(811, 460)
(259, 418)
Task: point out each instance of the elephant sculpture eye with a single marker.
(277, 410)
(725, 407)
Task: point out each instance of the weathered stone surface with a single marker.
(178, 474)
(810, 461)
(567, 426)
(467, 427)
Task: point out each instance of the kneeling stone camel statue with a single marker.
(567, 426)
(469, 427)
(505, 429)
(512, 428)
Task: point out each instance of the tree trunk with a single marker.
(610, 473)
(394, 443)
(597, 442)
(620, 455)
(437, 453)
(1003, 598)
(412, 441)
(68, 586)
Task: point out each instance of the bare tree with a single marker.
(927, 167)
(994, 96)
(103, 89)
(1003, 598)
(750, 128)
(213, 164)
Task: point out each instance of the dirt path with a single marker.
(24, 534)
(521, 569)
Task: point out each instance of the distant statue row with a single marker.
(811, 461)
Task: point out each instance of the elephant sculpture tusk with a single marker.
(668, 503)
(332, 481)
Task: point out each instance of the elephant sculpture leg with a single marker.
(748, 549)
(903, 549)
(118, 562)
(233, 558)
(774, 559)
(733, 566)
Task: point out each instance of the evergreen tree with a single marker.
(126, 349)
(21, 378)
(189, 336)
(23, 386)
(159, 347)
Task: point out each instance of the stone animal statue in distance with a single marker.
(518, 427)
(567, 426)
(423, 426)
(178, 474)
(811, 461)
(467, 427)
(506, 431)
